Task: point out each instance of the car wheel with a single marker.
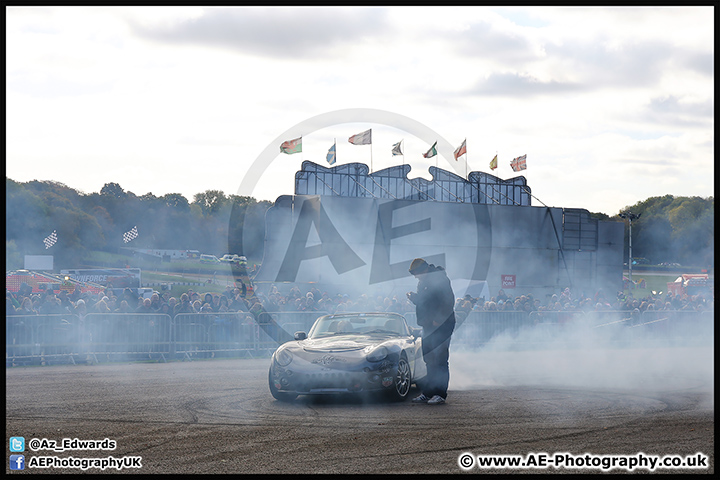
(402, 381)
(282, 396)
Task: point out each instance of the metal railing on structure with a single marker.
(47, 339)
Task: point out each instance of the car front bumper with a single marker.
(309, 379)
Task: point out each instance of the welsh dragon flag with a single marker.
(292, 146)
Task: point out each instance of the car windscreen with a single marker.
(358, 324)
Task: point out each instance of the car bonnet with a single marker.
(342, 343)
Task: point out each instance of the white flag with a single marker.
(397, 148)
(364, 138)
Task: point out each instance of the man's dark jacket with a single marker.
(434, 300)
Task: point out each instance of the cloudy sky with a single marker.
(610, 105)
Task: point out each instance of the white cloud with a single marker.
(277, 32)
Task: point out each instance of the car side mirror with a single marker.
(300, 335)
(416, 332)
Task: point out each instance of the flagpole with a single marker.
(371, 160)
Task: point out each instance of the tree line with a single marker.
(670, 229)
(98, 221)
(673, 230)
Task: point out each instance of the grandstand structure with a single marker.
(354, 180)
(351, 230)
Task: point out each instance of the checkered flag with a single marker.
(131, 235)
(50, 240)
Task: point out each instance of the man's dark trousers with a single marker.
(436, 353)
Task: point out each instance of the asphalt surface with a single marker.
(217, 416)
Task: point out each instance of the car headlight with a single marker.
(378, 354)
(283, 357)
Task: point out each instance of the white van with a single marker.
(208, 259)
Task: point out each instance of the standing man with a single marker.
(434, 302)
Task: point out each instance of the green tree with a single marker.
(673, 229)
(246, 226)
(113, 190)
(210, 201)
(176, 201)
(13, 259)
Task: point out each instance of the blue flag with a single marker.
(331, 155)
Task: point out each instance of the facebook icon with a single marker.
(17, 462)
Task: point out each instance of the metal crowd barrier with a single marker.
(681, 326)
(575, 328)
(96, 338)
(478, 327)
(47, 339)
(114, 337)
(212, 335)
(40, 337)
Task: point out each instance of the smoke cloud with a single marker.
(582, 356)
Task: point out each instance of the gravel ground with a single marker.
(217, 416)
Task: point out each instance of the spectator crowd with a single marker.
(234, 299)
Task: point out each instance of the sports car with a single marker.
(349, 353)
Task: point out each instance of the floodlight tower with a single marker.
(630, 216)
